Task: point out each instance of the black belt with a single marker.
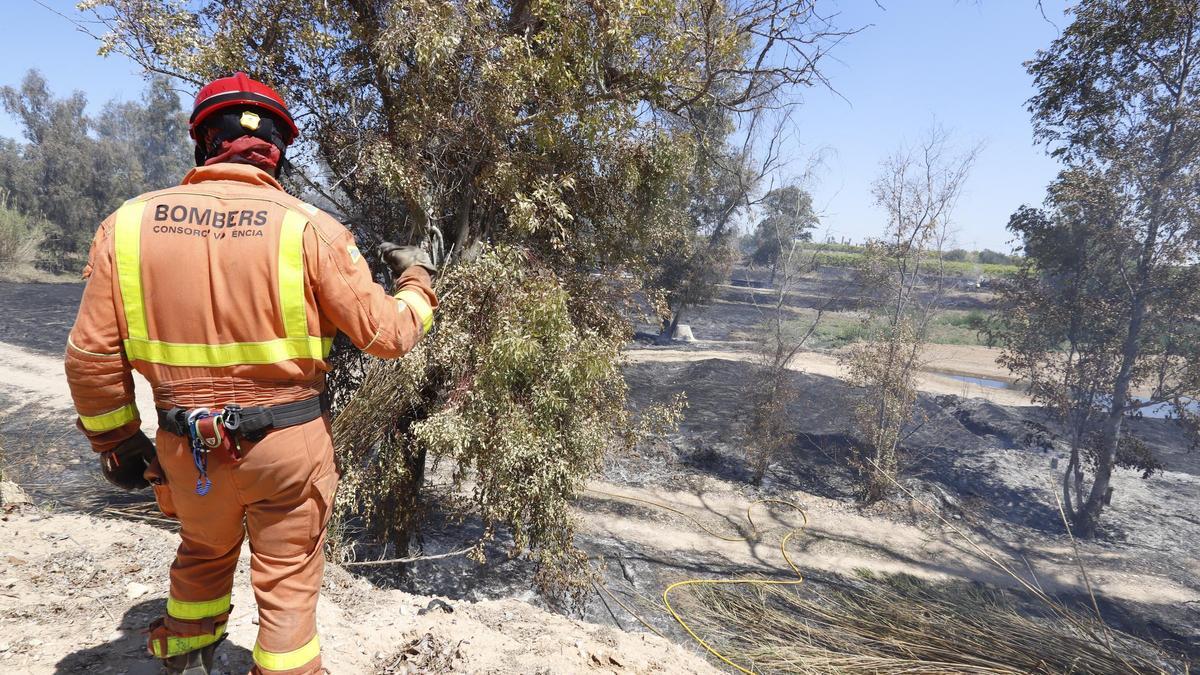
(254, 422)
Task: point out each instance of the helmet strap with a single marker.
(213, 137)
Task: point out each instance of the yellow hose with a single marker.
(720, 582)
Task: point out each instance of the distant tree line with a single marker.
(985, 257)
(71, 169)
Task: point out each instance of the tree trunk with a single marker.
(408, 502)
(1088, 518)
(774, 269)
(668, 331)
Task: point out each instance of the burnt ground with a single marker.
(38, 317)
(987, 467)
(973, 461)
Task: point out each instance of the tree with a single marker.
(724, 184)
(532, 145)
(58, 166)
(769, 395)
(788, 218)
(904, 270)
(1110, 271)
(73, 169)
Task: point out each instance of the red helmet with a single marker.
(240, 90)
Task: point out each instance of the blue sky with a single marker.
(956, 63)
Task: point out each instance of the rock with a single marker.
(684, 332)
(134, 590)
(12, 496)
(436, 604)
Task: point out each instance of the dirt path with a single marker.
(33, 379)
(942, 362)
(839, 539)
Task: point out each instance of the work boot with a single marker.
(198, 662)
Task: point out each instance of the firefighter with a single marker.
(226, 293)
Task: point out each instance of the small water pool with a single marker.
(979, 381)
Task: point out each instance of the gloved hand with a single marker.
(399, 258)
(124, 465)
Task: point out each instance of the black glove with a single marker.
(124, 465)
(399, 258)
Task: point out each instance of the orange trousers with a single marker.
(280, 493)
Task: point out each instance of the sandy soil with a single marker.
(75, 591)
(37, 380)
(103, 579)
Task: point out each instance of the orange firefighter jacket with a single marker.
(225, 289)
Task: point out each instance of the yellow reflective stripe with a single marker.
(230, 354)
(287, 660)
(110, 420)
(418, 304)
(296, 343)
(183, 609)
(128, 245)
(291, 275)
(183, 645)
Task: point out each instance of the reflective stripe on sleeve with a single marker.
(418, 304)
(108, 421)
(287, 660)
(184, 609)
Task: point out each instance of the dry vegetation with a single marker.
(900, 624)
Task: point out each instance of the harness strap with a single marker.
(253, 423)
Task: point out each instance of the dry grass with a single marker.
(900, 624)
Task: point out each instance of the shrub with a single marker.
(20, 237)
(518, 389)
(959, 255)
(990, 257)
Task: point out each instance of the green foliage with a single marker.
(989, 257)
(517, 388)
(837, 331)
(20, 236)
(1110, 269)
(73, 170)
(959, 328)
(951, 327)
(788, 219)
